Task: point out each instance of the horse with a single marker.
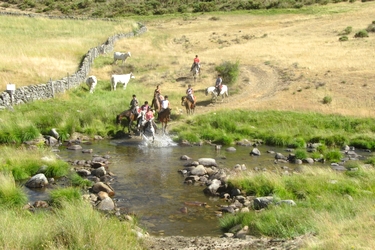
(213, 91)
(189, 105)
(129, 115)
(195, 70)
(163, 117)
(146, 128)
(156, 103)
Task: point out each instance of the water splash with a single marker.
(160, 141)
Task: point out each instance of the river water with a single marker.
(147, 182)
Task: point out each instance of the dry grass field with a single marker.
(287, 61)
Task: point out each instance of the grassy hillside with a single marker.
(121, 8)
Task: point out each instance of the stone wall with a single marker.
(52, 88)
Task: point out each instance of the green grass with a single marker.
(321, 195)
(77, 226)
(11, 195)
(279, 128)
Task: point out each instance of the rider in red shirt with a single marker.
(196, 62)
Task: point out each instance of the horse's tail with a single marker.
(112, 83)
(118, 119)
(206, 92)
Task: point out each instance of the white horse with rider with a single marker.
(214, 93)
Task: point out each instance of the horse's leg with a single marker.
(165, 128)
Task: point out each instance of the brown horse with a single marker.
(129, 115)
(163, 117)
(189, 105)
(156, 103)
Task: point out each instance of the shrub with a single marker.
(361, 34)
(327, 100)
(343, 39)
(229, 71)
(371, 27)
(346, 31)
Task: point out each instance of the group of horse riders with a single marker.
(149, 114)
(163, 100)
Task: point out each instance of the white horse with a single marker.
(195, 70)
(213, 91)
(91, 82)
(146, 128)
(124, 79)
(120, 56)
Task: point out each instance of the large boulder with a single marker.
(207, 162)
(37, 181)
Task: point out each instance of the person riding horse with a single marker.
(190, 94)
(165, 104)
(218, 84)
(196, 62)
(134, 105)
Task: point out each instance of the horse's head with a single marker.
(183, 100)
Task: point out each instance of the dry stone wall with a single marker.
(52, 88)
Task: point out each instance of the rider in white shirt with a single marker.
(165, 105)
(190, 93)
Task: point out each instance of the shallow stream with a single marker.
(147, 182)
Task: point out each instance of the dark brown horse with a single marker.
(163, 117)
(189, 105)
(129, 115)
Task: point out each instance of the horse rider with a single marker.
(134, 105)
(196, 62)
(157, 93)
(145, 106)
(149, 116)
(165, 104)
(190, 93)
(218, 84)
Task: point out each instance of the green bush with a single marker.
(361, 34)
(346, 31)
(229, 72)
(343, 39)
(327, 99)
(371, 27)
